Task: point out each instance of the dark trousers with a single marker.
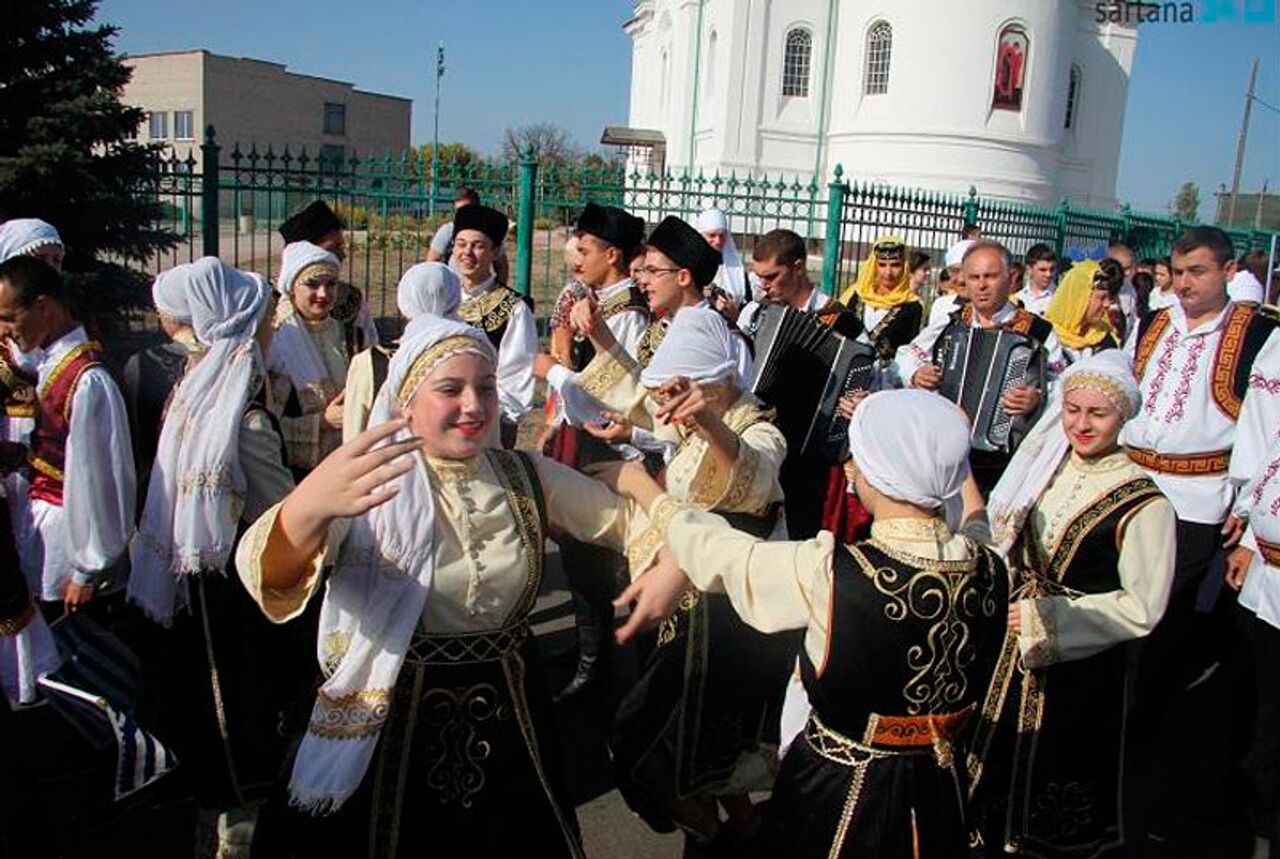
(1262, 764)
(1185, 793)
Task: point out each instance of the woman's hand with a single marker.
(353, 479)
(684, 403)
(332, 416)
(1015, 616)
(652, 596)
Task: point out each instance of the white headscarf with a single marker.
(375, 601)
(169, 293)
(731, 277)
(913, 446)
(1041, 452)
(429, 287)
(197, 485)
(293, 352)
(26, 235)
(698, 346)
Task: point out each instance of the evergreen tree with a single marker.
(66, 153)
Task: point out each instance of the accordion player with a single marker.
(803, 367)
(979, 366)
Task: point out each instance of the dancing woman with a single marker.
(1090, 540)
(431, 733)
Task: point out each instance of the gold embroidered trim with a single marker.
(490, 310)
(470, 647)
(311, 270)
(1105, 385)
(45, 467)
(1150, 339)
(15, 625)
(1230, 349)
(427, 361)
(1064, 551)
(351, 716)
(1182, 464)
(522, 501)
(606, 370)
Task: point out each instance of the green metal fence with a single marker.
(230, 201)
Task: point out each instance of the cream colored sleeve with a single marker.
(613, 378)
(358, 400)
(751, 485)
(1060, 628)
(282, 604)
(588, 511)
(774, 586)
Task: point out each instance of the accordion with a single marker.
(803, 368)
(979, 366)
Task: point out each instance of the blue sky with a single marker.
(568, 62)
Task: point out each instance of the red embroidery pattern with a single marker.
(1259, 383)
(1162, 370)
(1261, 488)
(1178, 410)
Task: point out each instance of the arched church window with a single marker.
(795, 63)
(1013, 53)
(879, 45)
(1073, 97)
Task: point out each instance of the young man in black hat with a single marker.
(608, 240)
(441, 249)
(504, 315)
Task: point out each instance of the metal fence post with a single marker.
(1060, 240)
(971, 207)
(836, 190)
(524, 218)
(1126, 223)
(209, 151)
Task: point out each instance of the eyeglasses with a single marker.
(650, 271)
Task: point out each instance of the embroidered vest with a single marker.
(1244, 332)
(491, 311)
(17, 388)
(633, 299)
(48, 455)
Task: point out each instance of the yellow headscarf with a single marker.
(1069, 304)
(865, 286)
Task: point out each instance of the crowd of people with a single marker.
(980, 630)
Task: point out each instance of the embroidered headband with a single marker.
(433, 357)
(1106, 385)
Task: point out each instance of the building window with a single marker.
(795, 63)
(183, 127)
(879, 46)
(335, 118)
(1073, 97)
(331, 158)
(1012, 55)
(158, 125)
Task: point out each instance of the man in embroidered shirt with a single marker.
(1201, 364)
(80, 519)
(503, 314)
(441, 249)
(985, 272)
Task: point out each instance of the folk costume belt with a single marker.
(1182, 464)
(451, 649)
(887, 736)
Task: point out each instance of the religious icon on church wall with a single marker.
(1011, 69)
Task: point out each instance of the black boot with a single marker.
(595, 625)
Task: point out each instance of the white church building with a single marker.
(1022, 99)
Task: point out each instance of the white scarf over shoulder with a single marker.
(197, 485)
(697, 346)
(293, 352)
(375, 601)
(1041, 453)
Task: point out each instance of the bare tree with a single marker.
(550, 143)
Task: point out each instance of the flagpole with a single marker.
(435, 136)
